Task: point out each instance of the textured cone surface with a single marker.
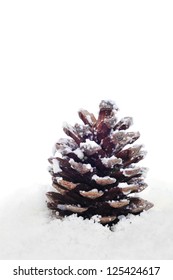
(94, 170)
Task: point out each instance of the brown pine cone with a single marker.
(94, 170)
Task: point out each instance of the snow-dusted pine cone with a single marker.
(94, 173)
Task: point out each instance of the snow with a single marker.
(28, 231)
(89, 147)
(94, 193)
(137, 170)
(82, 168)
(88, 144)
(103, 180)
(56, 167)
(58, 154)
(89, 119)
(79, 153)
(65, 146)
(111, 161)
(95, 190)
(108, 104)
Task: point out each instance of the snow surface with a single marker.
(28, 230)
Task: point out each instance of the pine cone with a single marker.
(93, 171)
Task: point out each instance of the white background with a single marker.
(59, 56)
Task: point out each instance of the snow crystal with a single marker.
(125, 191)
(58, 154)
(79, 153)
(90, 147)
(88, 144)
(103, 180)
(128, 172)
(58, 179)
(122, 200)
(88, 165)
(92, 194)
(122, 185)
(93, 190)
(65, 150)
(89, 119)
(81, 167)
(56, 167)
(110, 162)
(108, 104)
(67, 142)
